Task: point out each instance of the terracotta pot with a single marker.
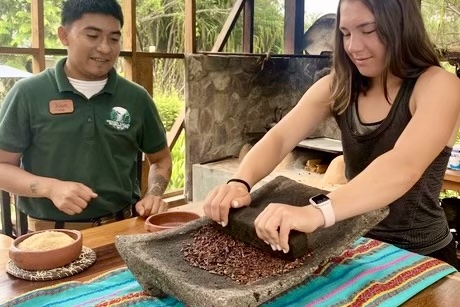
(168, 220)
(46, 260)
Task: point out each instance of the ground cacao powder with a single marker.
(221, 254)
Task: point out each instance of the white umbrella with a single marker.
(11, 72)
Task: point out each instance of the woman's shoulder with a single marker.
(436, 78)
(324, 84)
(437, 74)
(327, 79)
(437, 88)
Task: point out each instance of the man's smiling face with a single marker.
(93, 46)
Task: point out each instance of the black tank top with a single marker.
(416, 221)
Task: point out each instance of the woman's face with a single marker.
(360, 39)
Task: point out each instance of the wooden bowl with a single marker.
(168, 220)
(49, 259)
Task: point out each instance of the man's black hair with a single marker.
(73, 10)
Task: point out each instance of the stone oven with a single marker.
(231, 101)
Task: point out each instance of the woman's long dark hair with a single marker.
(409, 50)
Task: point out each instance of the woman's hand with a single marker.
(219, 201)
(277, 220)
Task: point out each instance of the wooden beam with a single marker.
(144, 77)
(38, 35)
(159, 55)
(14, 50)
(175, 201)
(154, 55)
(173, 193)
(137, 70)
(56, 51)
(248, 27)
(190, 26)
(129, 38)
(277, 55)
(144, 73)
(174, 198)
(228, 26)
(176, 129)
(294, 26)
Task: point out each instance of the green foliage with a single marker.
(268, 27)
(161, 23)
(448, 193)
(16, 27)
(178, 160)
(169, 104)
(16, 24)
(441, 20)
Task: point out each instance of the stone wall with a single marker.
(232, 100)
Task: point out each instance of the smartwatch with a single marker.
(323, 203)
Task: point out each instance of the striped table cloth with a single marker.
(369, 273)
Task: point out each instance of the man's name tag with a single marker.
(64, 106)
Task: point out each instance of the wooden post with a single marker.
(129, 38)
(38, 35)
(144, 77)
(293, 26)
(248, 27)
(190, 26)
(228, 26)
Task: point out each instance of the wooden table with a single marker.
(5, 241)
(451, 180)
(445, 292)
(101, 239)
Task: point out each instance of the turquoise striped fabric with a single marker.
(115, 287)
(369, 273)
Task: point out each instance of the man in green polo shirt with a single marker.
(70, 136)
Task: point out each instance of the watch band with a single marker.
(323, 203)
(328, 213)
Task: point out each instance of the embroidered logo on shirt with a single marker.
(120, 118)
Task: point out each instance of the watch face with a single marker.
(320, 198)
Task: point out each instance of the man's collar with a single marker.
(65, 86)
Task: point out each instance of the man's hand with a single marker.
(70, 197)
(159, 175)
(151, 204)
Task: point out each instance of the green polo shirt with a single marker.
(96, 141)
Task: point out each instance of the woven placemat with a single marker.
(84, 261)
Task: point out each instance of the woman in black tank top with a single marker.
(397, 111)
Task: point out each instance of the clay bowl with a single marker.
(49, 259)
(168, 220)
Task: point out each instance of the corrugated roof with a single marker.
(11, 72)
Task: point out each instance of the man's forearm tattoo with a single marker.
(34, 187)
(158, 185)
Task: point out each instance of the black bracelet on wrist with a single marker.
(240, 181)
